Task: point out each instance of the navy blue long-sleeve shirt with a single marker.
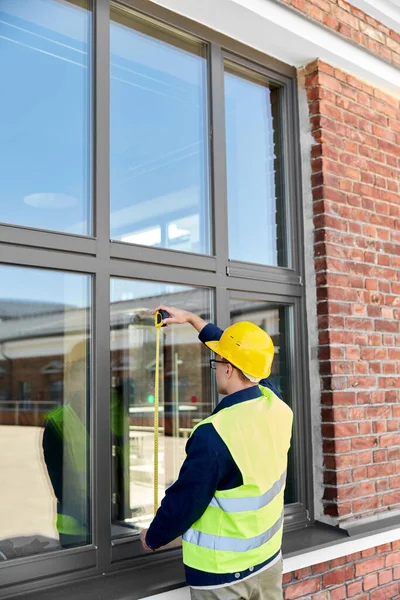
(208, 467)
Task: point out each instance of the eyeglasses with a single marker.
(213, 363)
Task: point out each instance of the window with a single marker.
(185, 394)
(45, 115)
(45, 499)
(159, 137)
(193, 141)
(252, 129)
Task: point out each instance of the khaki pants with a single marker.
(265, 586)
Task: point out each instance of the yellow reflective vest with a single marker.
(242, 527)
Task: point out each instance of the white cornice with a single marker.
(278, 31)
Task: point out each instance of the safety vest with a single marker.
(75, 441)
(242, 527)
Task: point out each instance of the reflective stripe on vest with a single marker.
(250, 503)
(242, 526)
(229, 544)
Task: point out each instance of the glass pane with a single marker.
(254, 212)
(276, 321)
(185, 394)
(159, 137)
(44, 411)
(45, 114)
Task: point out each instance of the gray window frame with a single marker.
(103, 259)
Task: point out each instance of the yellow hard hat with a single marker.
(247, 347)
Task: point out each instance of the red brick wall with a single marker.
(353, 24)
(355, 181)
(370, 575)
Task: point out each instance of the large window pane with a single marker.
(45, 114)
(44, 411)
(159, 137)
(185, 394)
(276, 321)
(254, 202)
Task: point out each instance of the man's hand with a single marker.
(143, 534)
(179, 316)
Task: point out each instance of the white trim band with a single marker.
(281, 32)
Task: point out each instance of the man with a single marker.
(228, 499)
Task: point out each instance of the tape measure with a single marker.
(159, 316)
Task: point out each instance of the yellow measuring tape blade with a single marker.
(156, 409)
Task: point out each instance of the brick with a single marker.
(354, 588)
(300, 5)
(370, 582)
(385, 576)
(369, 566)
(325, 6)
(386, 593)
(302, 573)
(309, 586)
(365, 504)
(338, 576)
(338, 593)
(286, 578)
(346, 429)
(392, 559)
(345, 17)
(320, 568)
(382, 485)
(391, 499)
(389, 440)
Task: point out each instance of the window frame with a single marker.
(104, 259)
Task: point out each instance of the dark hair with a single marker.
(242, 376)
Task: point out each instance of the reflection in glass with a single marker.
(254, 215)
(185, 394)
(45, 114)
(44, 403)
(276, 321)
(159, 137)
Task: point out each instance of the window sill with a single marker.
(162, 572)
(320, 543)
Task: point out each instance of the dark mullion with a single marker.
(101, 400)
(47, 258)
(266, 296)
(26, 236)
(101, 70)
(258, 68)
(288, 176)
(294, 153)
(222, 307)
(16, 571)
(162, 256)
(263, 272)
(218, 154)
(303, 421)
(168, 274)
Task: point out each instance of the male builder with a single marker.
(228, 500)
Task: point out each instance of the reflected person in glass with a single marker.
(65, 449)
(228, 500)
